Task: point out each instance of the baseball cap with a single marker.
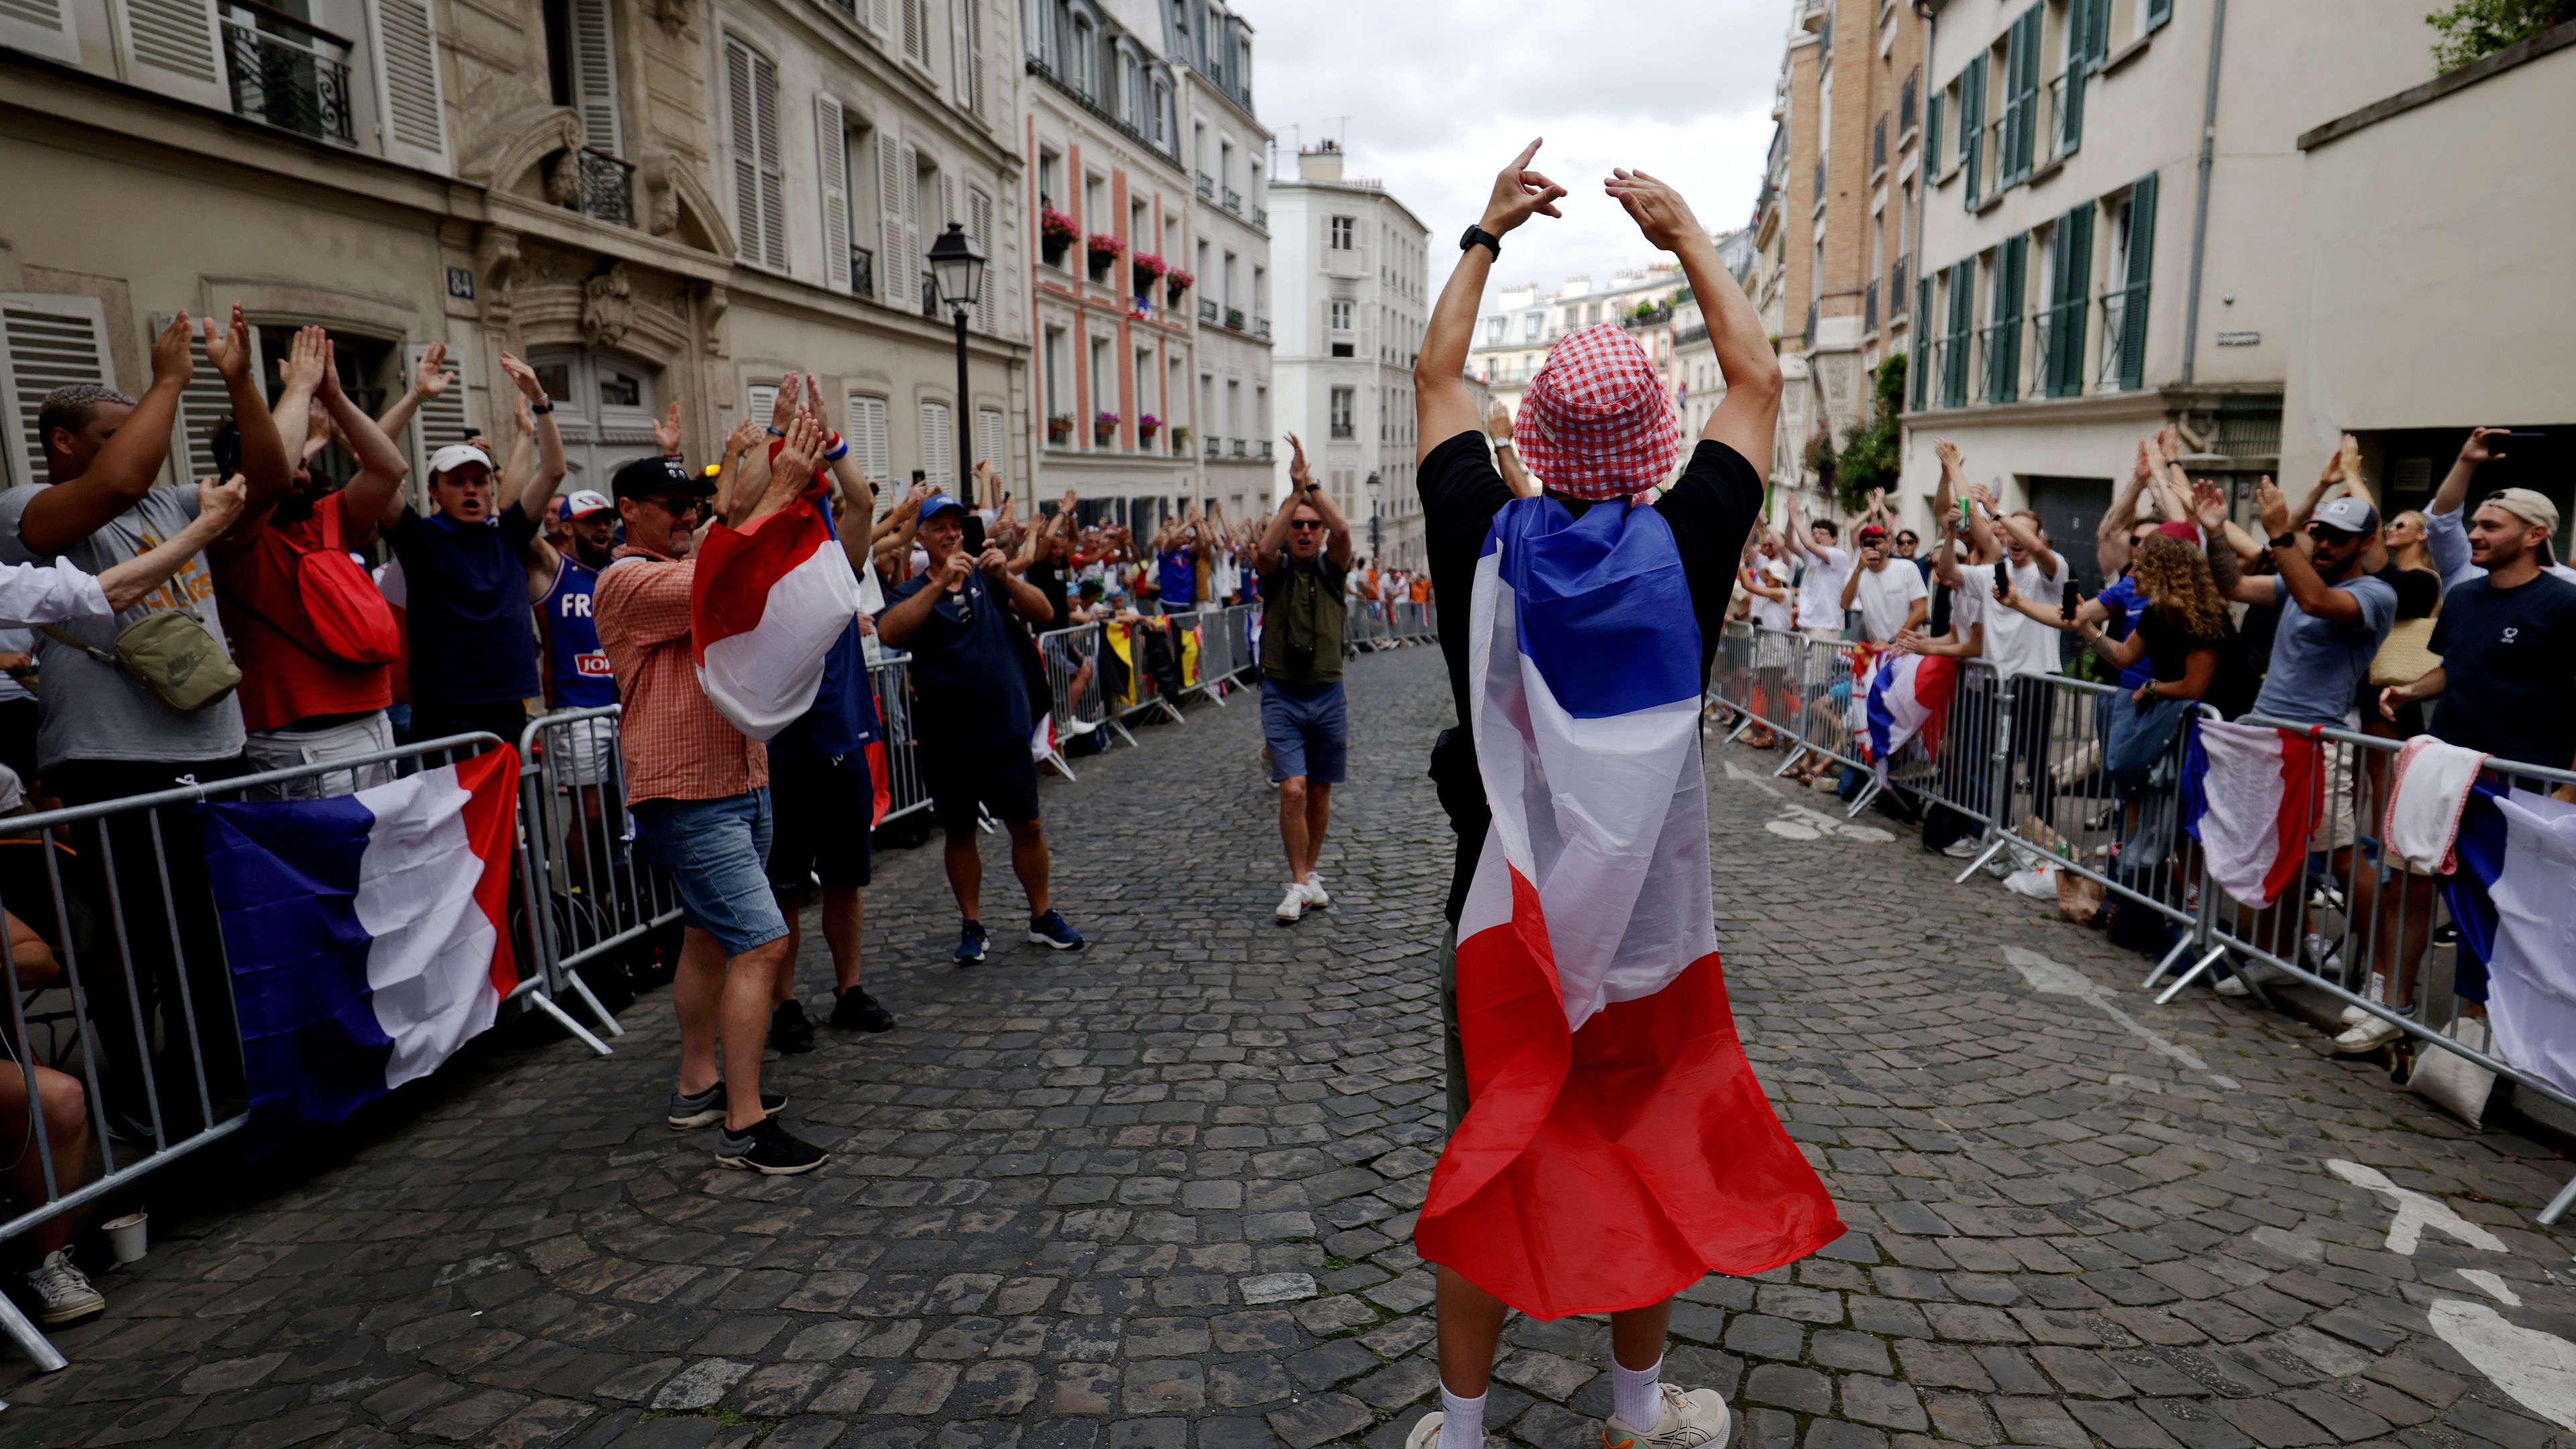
(457, 455)
(649, 477)
(584, 503)
(939, 503)
(1872, 534)
(2348, 515)
(2526, 504)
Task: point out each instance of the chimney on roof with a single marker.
(1324, 163)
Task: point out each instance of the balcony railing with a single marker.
(287, 73)
(2124, 339)
(1207, 309)
(1216, 447)
(1261, 328)
(607, 190)
(1241, 448)
(863, 272)
(1344, 432)
(1162, 148)
(1899, 295)
(1233, 201)
(2057, 337)
(1905, 101)
(1207, 186)
(1869, 306)
(1265, 450)
(2061, 130)
(1878, 146)
(1999, 360)
(1234, 319)
(1689, 335)
(1261, 217)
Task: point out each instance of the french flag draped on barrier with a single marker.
(1617, 1146)
(1908, 697)
(2515, 854)
(768, 603)
(2250, 797)
(366, 933)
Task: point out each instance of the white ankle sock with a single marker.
(1462, 1421)
(1638, 1394)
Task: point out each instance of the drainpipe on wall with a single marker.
(1925, 163)
(2200, 207)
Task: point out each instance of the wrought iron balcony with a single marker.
(1234, 319)
(288, 73)
(1207, 309)
(607, 186)
(1241, 449)
(1261, 328)
(1207, 186)
(863, 272)
(1265, 450)
(1216, 447)
(1261, 217)
(1233, 201)
(1344, 431)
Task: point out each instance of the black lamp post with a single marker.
(958, 266)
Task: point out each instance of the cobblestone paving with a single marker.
(1159, 1195)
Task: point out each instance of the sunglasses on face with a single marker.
(677, 507)
(1304, 524)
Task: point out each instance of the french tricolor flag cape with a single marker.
(2514, 899)
(1616, 1147)
(767, 604)
(367, 933)
(2250, 797)
(1909, 698)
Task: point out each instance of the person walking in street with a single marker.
(1609, 1144)
(972, 718)
(699, 792)
(1302, 561)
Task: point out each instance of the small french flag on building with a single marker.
(367, 934)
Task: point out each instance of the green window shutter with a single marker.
(1954, 358)
(1920, 369)
(2142, 265)
(1972, 125)
(2071, 280)
(2003, 320)
(2079, 63)
(1932, 131)
(2097, 33)
(2023, 73)
(2158, 12)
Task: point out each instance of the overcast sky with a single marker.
(1438, 94)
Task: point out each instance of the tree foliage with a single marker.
(2474, 28)
(1870, 456)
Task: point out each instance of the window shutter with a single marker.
(2010, 303)
(979, 225)
(916, 31)
(988, 436)
(440, 421)
(41, 27)
(832, 158)
(204, 402)
(960, 67)
(938, 446)
(1954, 358)
(892, 185)
(1932, 132)
(773, 170)
(594, 74)
(2142, 264)
(2158, 12)
(880, 16)
(867, 439)
(46, 342)
(743, 116)
(910, 277)
(973, 26)
(413, 117)
(1972, 125)
(2079, 65)
(2097, 33)
(760, 398)
(2021, 99)
(170, 47)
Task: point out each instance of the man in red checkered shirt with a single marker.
(699, 792)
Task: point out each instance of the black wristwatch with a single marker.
(2287, 540)
(541, 409)
(1477, 236)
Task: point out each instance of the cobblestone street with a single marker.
(1159, 1195)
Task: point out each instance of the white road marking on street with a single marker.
(2537, 1369)
(2415, 1213)
(2492, 1284)
(1754, 778)
(2056, 978)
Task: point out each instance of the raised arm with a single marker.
(299, 379)
(1790, 531)
(1443, 405)
(126, 464)
(2478, 450)
(540, 493)
(381, 466)
(2111, 535)
(219, 507)
(429, 379)
(1745, 417)
(1507, 454)
(264, 465)
(1274, 535)
(2308, 588)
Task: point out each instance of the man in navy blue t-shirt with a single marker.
(971, 715)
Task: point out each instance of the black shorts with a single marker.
(1001, 777)
(821, 806)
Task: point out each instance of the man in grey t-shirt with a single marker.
(2333, 615)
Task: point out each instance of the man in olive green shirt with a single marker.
(1301, 564)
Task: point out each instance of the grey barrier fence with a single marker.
(145, 1036)
(2029, 759)
(906, 794)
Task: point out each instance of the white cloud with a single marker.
(1433, 96)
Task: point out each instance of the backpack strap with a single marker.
(60, 637)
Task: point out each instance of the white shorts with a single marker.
(285, 749)
(585, 750)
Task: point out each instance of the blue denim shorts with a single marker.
(718, 855)
(1308, 729)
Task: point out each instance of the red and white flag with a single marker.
(2258, 802)
(768, 604)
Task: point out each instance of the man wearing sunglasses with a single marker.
(699, 792)
(1301, 566)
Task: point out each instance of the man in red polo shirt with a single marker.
(314, 638)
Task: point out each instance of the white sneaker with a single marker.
(1426, 1432)
(1317, 898)
(2355, 1016)
(1693, 1419)
(1075, 729)
(1963, 848)
(1293, 904)
(2323, 956)
(2369, 1036)
(63, 1294)
(2231, 986)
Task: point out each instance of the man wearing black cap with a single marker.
(973, 716)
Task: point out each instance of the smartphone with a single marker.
(2003, 577)
(974, 526)
(2067, 601)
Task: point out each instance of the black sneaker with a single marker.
(1053, 931)
(767, 1149)
(971, 941)
(707, 1108)
(789, 1030)
(855, 1010)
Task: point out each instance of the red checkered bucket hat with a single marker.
(1595, 422)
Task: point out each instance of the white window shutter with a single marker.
(204, 403)
(988, 437)
(41, 27)
(759, 399)
(746, 149)
(440, 421)
(961, 76)
(892, 186)
(916, 31)
(773, 170)
(832, 157)
(973, 26)
(46, 342)
(868, 448)
(979, 225)
(909, 279)
(938, 446)
(413, 123)
(594, 75)
(171, 48)
(881, 16)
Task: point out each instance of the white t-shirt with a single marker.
(1820, 593)
(1885, 596)
(1969, 605)
(1773, 613)
(2016, 642)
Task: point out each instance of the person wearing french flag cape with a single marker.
(1609, 1144)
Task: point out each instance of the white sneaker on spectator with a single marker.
(1076, 728)
(1293, 904)
(2323, 956)
(2369, 1036)
(1317, 898)
(2230, 986)
(2354, 1016)
(63, 1293)
(1963, 848)
(1692, 1419)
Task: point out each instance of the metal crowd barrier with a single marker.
(906, 792)
(149, 1039)
(587, 894)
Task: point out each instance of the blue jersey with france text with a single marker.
(576, 668)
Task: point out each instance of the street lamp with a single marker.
(1377, 530)
(957, 265)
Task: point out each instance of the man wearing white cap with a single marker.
(465, 570)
